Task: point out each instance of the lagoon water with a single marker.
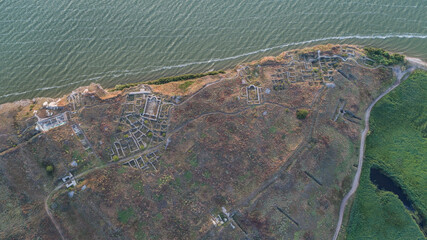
(49, 47)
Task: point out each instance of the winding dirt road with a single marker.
(401, 76)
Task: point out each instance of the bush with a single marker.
(302, 113)
(115, 158)
(383, 57)
(49, 169)
(150, 134)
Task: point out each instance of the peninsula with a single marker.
(271, 149)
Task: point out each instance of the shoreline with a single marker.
(26, 101)
(188, 104)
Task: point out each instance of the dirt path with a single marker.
(400, 77)
(46, 207)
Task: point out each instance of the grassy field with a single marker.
(397, 144)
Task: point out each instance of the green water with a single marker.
(49, 47)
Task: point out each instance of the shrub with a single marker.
(383, 57)
(49, 169)
(302, 113)
(150, 134)
(115, 158)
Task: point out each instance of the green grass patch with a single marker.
(140, 234)
(121, 170)
(158, 217)
(185, 85)
(164, 80)
(194, 162)
(397, 144)
(158, 197)
(138, 186)
(207, 174)
(125, 215)
(272, 129)
(183, 77)
(244, 177)
(188, 176)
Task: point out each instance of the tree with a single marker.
(115, 158)
(302, 113)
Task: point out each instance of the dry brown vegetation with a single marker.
(280, 176)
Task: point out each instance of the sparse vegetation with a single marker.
(194, 162)
(125, 215)
(206, 174)
(165, 180)
(188, 176)
(139, 187)
(120, 87)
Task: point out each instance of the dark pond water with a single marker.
(384, 182)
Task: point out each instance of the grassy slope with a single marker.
(396, 144)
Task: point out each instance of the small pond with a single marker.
(384, 182)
